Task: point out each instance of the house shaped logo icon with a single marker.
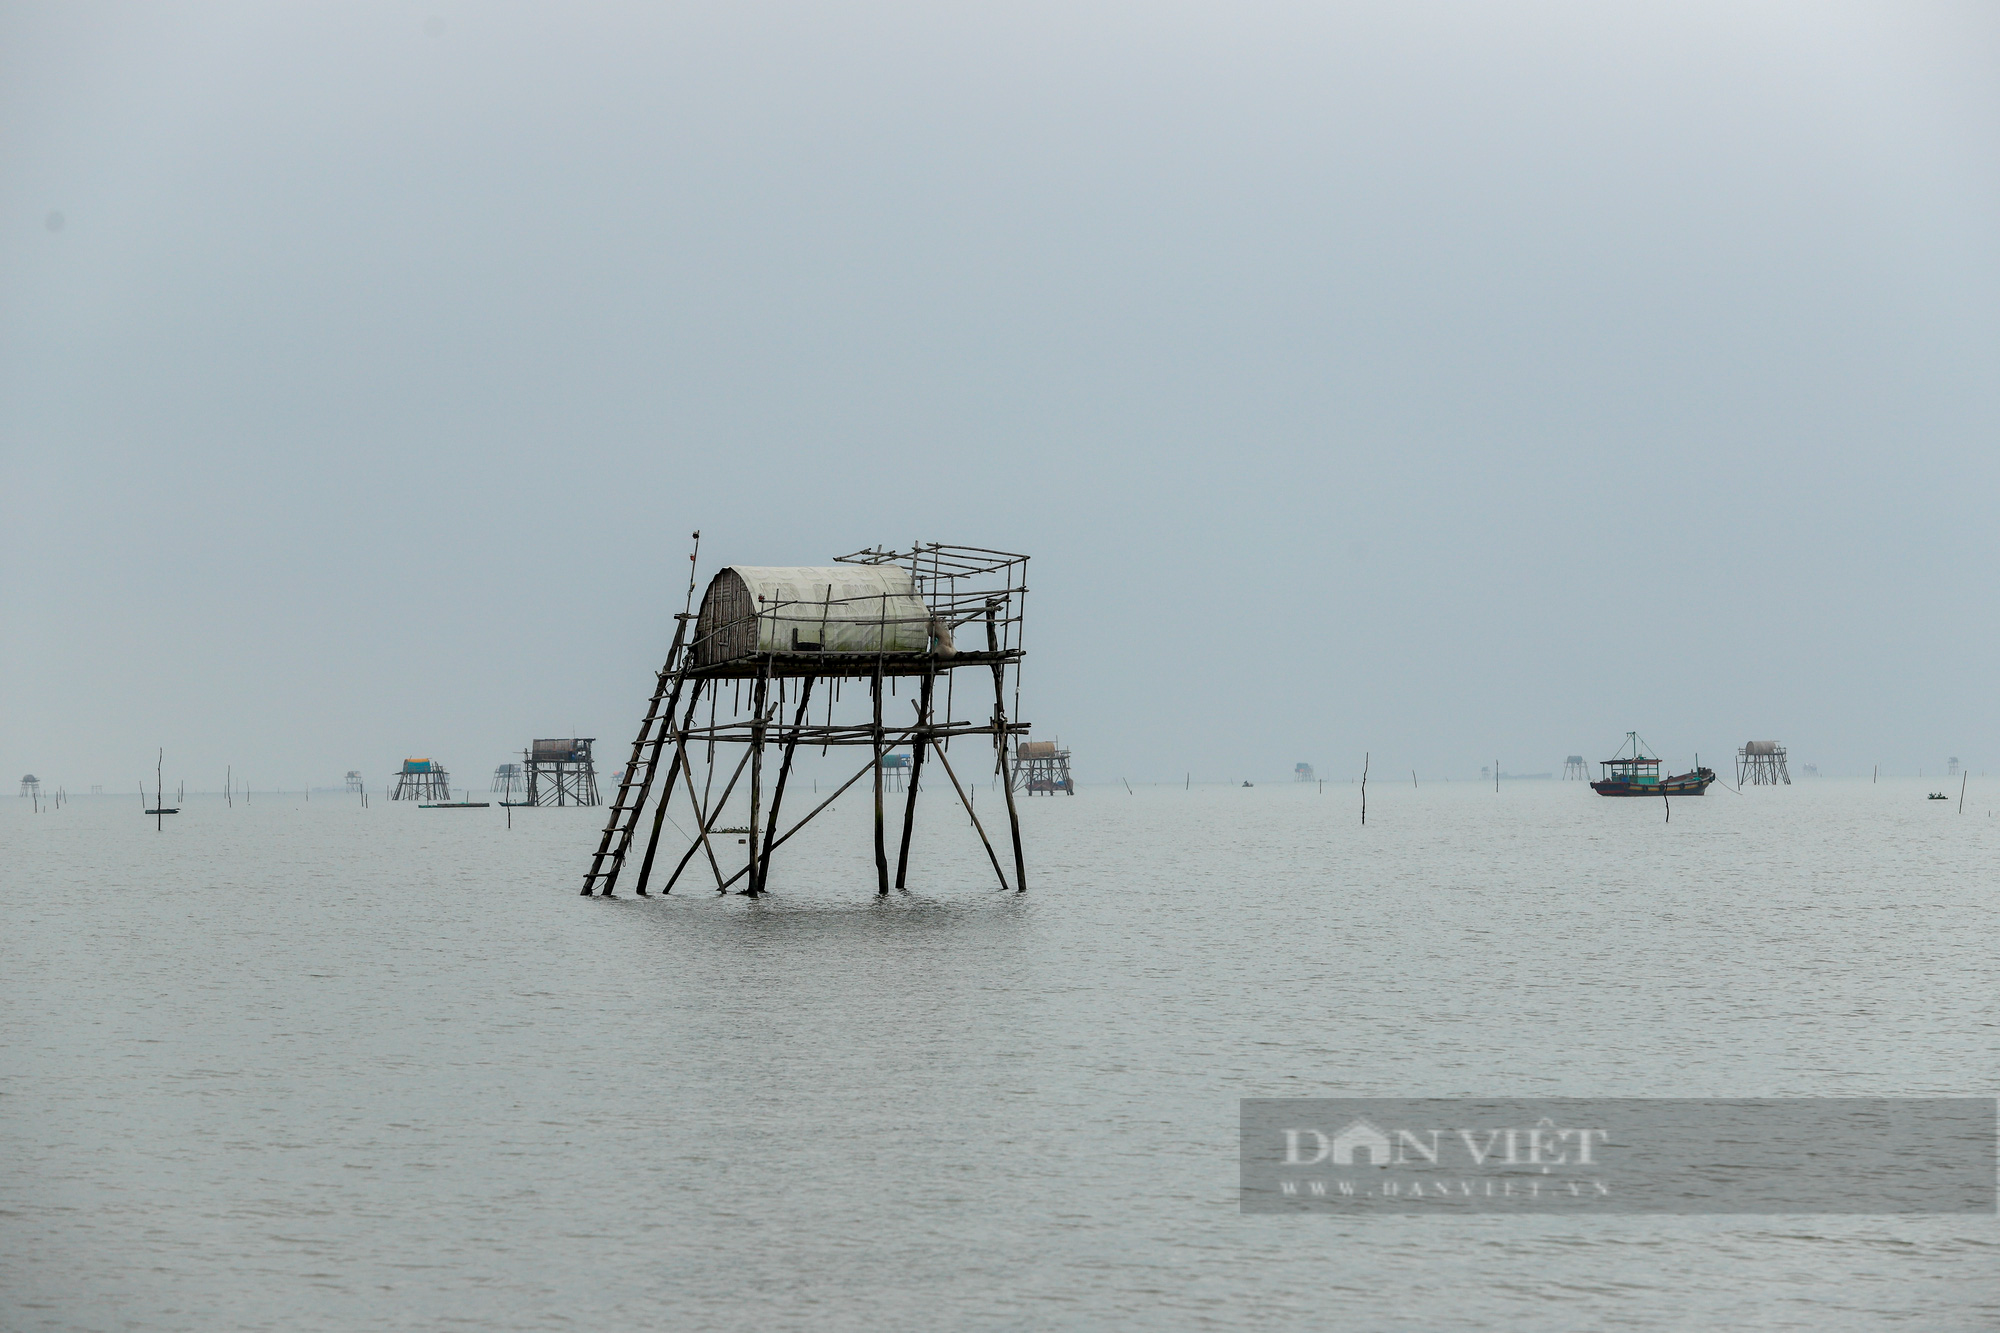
(1363, 1136)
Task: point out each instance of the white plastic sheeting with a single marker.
(808, 608)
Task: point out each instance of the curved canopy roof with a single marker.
(811, 608)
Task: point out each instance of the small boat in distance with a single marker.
(1637, 775)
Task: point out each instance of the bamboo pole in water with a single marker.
(759, 697)
(881, 847)
(923, 706)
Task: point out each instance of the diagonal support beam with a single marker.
(859, 774)
(667, 795)
(923, 706)
(704, 821)
(975, 820)
(778, 793)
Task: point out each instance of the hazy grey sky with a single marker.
(1446, 381)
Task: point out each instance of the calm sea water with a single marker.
(304, 1066)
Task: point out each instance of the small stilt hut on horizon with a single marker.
(422, 780)
(783, 640)
(1762, 764)
(1041, 768)
(561, 772)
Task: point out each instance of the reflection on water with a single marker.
(306, 1066)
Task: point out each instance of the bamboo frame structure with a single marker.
(763, 698)
(561, 772)
(429, 783)
(1762, 764)
(1041, 768)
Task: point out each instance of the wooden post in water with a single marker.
(784, 775)
(1000, 747)
(1961, 790)
(1364, 789)
(881, 847)
(757, 723)
(916, 771)
(674, 767)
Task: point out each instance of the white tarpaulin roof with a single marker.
(814, 608)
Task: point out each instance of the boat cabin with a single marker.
(1638, 772)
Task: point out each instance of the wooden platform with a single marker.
(847, 666)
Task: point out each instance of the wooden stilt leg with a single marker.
(916, 771)
(881, 849)
(973, 815)
(756, 778)
(859, 774)
(784, 773)
(673, 772)
(1000, 750)
(705, 817)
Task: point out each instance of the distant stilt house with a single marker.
(1573, 767)
(561, 772)
(422, 780)
(506, 777)
(764, 668)
(894, 766)
(1303, 773)
(1041, 768)
(354, 782)
(31, 785)
(1761, 764)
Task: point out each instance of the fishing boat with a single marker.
(1635, 774)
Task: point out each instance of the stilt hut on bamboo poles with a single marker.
(768, 654)
(422, 780)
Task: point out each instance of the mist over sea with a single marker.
(306, 1066)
